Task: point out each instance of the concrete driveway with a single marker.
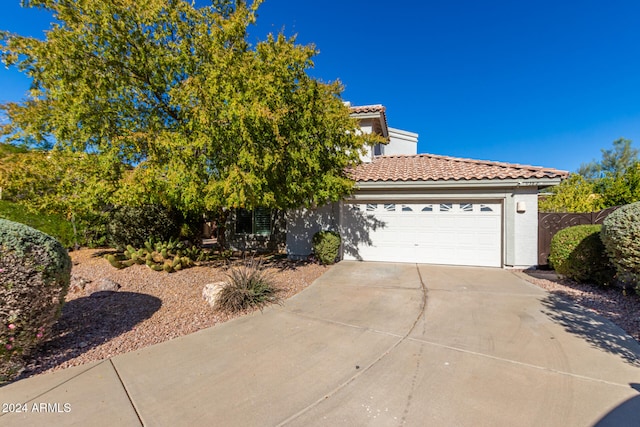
(367, 344)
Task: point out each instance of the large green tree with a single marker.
(78, 186)
(614, 161)
(204, 118)
(575, 194)
(612, 181)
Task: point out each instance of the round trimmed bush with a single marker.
(578, 253)
(621, 237)
(34, 278)
(326, 245)
(134, 225)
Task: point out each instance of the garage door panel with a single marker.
(440, 233)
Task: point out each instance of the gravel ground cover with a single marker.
(149, 308)
(613, 303)
(153, 307)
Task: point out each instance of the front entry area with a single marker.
(443, 232)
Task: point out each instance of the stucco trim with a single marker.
(462, 184)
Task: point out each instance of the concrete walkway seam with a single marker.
(515, 362)
(372, 364)
(124, 387)
(348, 325)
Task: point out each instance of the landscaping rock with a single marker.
(77, 284)
(101, 287)
(211, 291)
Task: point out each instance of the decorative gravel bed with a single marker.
(149, 308)
(152, 307)
(613, 303)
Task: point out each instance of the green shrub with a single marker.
(8, 149)
(621, 236)
(134, 225)
(90, 229)
(34, 278)
(93, 230)
(326, 245)
(247, 286)
(191, 227)
(53, 225)
(578, 253)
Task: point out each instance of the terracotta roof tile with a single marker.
(376, 109)
(368, 109)
(429, 167)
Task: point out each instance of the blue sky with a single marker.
(546, 83)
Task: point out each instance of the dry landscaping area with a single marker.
(151, 307)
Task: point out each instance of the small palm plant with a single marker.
(249, 285)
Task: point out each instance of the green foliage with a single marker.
(615, 161)
(575, 194)
(53, 225)
(326, 245)
(169, 256)
(614, 181)
(7, 149)
(204, 119)
(61, 182)
(578, 253)
(247, 286)
(622, 188)
(621, 237)
(77, 186)
(34, 277)
(134, 225)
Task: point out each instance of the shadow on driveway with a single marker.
(625, 414)
(596, 330)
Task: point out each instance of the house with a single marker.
(425, 208)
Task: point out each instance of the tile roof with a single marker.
(382, 127)
(429, 167)
(378, 108)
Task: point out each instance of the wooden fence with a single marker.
(550, 223)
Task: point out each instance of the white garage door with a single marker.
(454, 233)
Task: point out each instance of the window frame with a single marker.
(256, 228)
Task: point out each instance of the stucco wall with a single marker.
(302, 224)
(521, 228)
(401, 142)
(366, 127)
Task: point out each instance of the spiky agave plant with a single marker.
(248, 285)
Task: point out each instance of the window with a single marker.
(371, 207)
(257, 221)
(466, 207)
(389, 207)
(406, 208)
(446, 207)
(485, 208)
(428, 208)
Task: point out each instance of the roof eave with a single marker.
(475, 183)
(376, 115)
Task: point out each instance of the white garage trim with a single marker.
(453, 232)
